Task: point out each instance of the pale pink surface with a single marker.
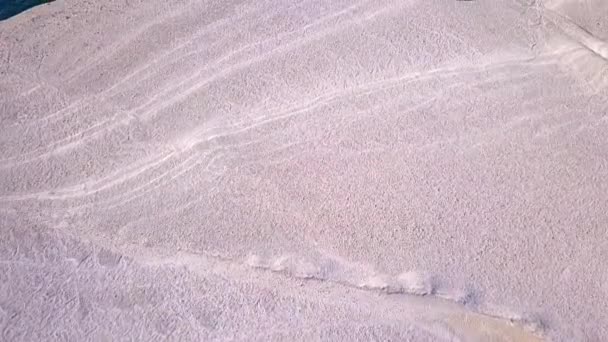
(272, 169)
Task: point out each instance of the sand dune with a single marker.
(311, 170)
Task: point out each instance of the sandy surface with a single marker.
(312, 170)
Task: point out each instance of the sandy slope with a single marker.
(218, 170)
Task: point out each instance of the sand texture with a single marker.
(304, 171)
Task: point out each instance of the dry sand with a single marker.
(312, 170)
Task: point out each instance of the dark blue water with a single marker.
(9, 8)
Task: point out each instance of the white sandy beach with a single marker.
(304, 171)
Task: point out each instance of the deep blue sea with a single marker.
(9, 8)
